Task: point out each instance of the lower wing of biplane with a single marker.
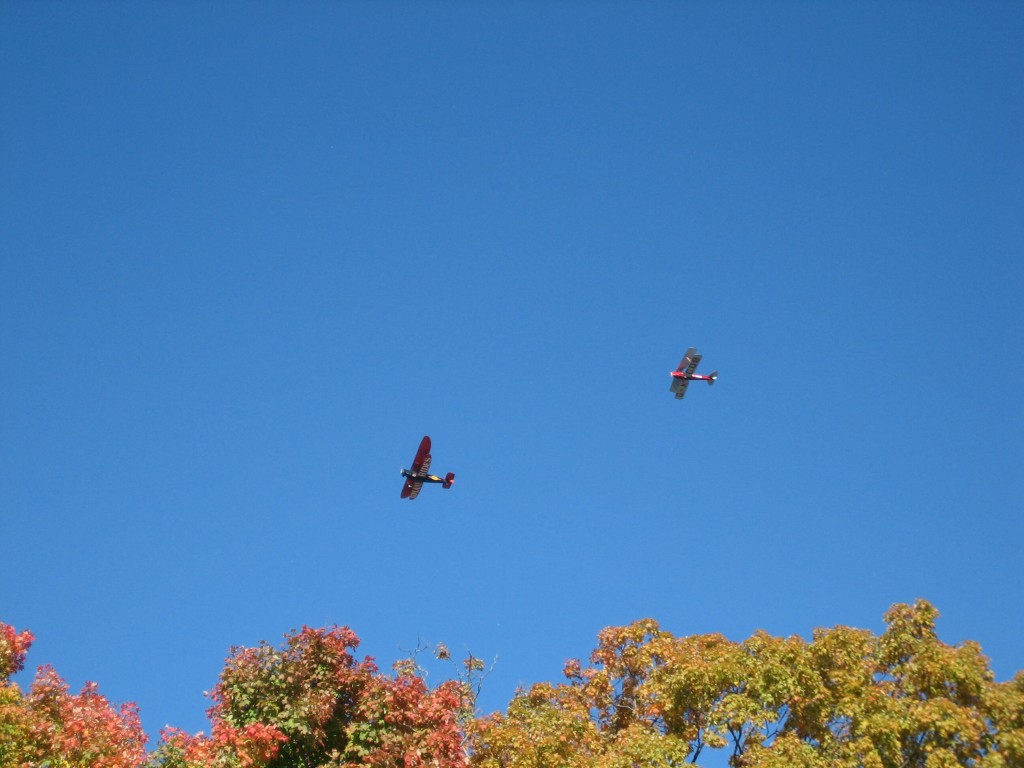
(420, 472)
(679, 387)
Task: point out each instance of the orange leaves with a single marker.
(626, 651)
(573, 670)
(254, 744)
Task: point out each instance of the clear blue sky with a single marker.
(250, 253)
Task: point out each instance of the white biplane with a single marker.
(685, 373)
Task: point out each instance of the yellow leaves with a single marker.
(846, 699)
(908, 628)
(401, 667)
(787, 751)
(546, 729)
(626, 651)
(639, 746)
(546, 726)
(1004, 703)
(941, 758)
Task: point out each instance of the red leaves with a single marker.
(327, 707)
(86, 727)
(250, 746)
(255, 743)
(13, 648)
(50, 724)
(310, 702)
(412, 725)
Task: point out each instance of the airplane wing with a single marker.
(422, 453)
(679, 387)
(694, 362)
(413, 484)
(412, 489)
(685, 362)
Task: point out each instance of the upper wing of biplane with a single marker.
(422, 453)
(690, 361)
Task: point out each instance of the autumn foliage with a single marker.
(312, 703)
(51, 726)
(845, 698)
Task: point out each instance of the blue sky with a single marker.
(251, 253)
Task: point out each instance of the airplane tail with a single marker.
(712, 378)
(448, 480)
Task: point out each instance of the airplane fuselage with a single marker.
(424, 478)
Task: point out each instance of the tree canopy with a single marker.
(846, 698)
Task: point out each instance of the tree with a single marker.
(311, 704)
(50, 726)
(845, 699)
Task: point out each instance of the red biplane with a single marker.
(684, 374)
(419, 474)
